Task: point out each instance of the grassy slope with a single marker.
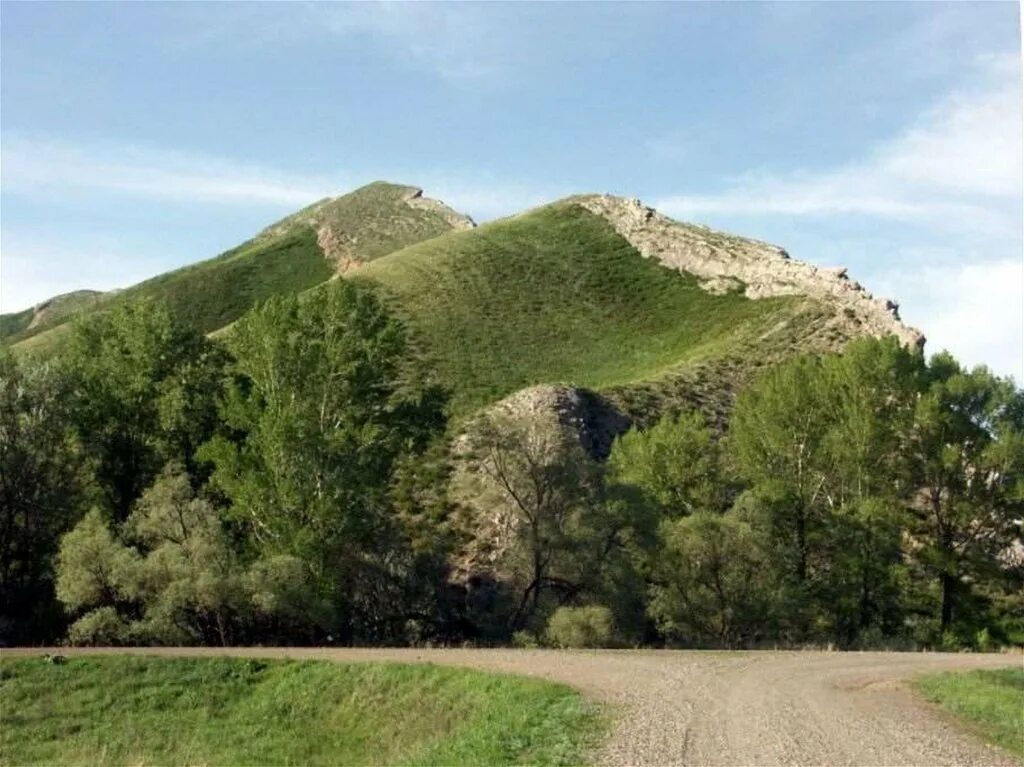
(15, 323)
(375, 217)
(284, 259)
(58, 309)
(555, 295)
(991, 702)
(133, 710)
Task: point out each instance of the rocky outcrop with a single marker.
(580, 413)
(415, 199)
(724, 263)
(337, 247)
(585, 414)
(53, 309)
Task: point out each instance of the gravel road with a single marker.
(728, 708)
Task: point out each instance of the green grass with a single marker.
(989, 702)
(556, 295)
(121, 710)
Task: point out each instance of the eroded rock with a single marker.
(720, 260)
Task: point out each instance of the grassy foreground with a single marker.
(991, 702)
(144, 711)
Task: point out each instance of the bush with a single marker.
(524, 640)
(591, 626)
(100, 627)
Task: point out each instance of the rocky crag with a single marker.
(724, 262)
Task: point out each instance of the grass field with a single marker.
(140, 711)
(556, 295)
(990, 702)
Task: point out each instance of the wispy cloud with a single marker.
(458, 42)
(39, 168)
(42, 169)
(961, 161)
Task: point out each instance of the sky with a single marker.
(885, 137)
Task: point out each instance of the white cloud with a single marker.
(975, 310)
(960, 164)
(955, 183)
(35, 168)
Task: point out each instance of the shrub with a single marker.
(100, 627)
(524, 640)
(591, 626)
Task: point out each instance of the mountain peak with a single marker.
(371, 221)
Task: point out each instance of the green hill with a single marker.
(592, 291)
(293, 255)
(558, 295)
(51, 312)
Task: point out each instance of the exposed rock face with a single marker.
(587, 415)
(723, 263)
(415, 199)
(581, 413)
(66, 302)
(337, 247)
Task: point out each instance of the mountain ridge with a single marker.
(595, 292)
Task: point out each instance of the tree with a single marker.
(323, 406)
(567, 540)
(871, 390)
(190, 581)
(778, 442)
(966, 448)
(676, 462)
(538, 473)
(42, 492)
(96, 572)
(712, 580)
(144, 389)
(819, 440)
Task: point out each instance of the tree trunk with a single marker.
(801, 546)
(948, 581)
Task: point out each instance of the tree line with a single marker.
(295, 482)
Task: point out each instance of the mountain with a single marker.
(294, 254)
(602, 293)
(595, 294)
(48, 313)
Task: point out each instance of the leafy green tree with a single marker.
(567, 540)
(96, 571)
(677, 462)
(42, 493)
(966, 448)
(712, 580)
(144, 389)
(322, 410)
(871, 389)
(819, 440)
(778, 440)
(190, 582)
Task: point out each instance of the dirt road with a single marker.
(743, 708)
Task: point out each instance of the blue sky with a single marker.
(886, 137)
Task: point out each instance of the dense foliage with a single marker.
(299, 481)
